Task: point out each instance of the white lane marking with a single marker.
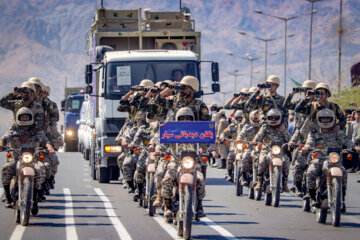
(17, 233)
(121, 230)
(170, 230)
(225, 233)
(69, 219)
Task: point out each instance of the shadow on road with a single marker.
(224, 214)
(74, 201)
(290, 205)
(217, 181)
(75, 195)
(225, 222)
(350, 225)
(63, 225)
(59, 216)
(63, 207)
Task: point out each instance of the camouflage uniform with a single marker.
(266, 102)
(323, 140)
(247, 133)
(222, 147)
(231, 133)
(141, 140)
(14, 103)
(270, 136)
(18, 138)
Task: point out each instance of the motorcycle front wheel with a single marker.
(188, 214)
(25, 203)
(151, 195)
(335, 209)
(277, 185)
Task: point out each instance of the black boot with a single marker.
(168, 210)
(298, 189)
(46, 187)
(34, 208)
(285, 184)
(222, 164)
(312, 194)
(41, 195)
(131, 186)
(8, 202)
(199, 211)
(244, 181)
(52, 182)
(139, 191)
(229, 177)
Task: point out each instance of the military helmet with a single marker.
(213, 105)
(146, 83)
(24, 111)
(253, 89)
(168, 82)
(36, 81)
(238, 113)
(191, 81)
(28, 85)
(47, 89)
(158, 84)
(309, 84)
(273, 117)
(254, 115)
(273, 79)
(184, 111)
(244, 90)
(222, 112)
(323, 86)
(325, 113)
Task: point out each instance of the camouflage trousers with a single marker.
(264, 161)
(53, 165)
(9, 170)
(318, 168)
(170, 179)
(44, 166)
(160, 173)
(129, 166)
(300, 166)
(141, 167)
(230, 160)
(120, 159)
(246, 161)
(222, 150)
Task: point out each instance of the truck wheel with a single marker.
(115, 173)
(103, 174)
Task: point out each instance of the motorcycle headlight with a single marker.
(27, 157)
(69, 133)
(239, 146)
(334, 157)
(188, 162)
(276, 150)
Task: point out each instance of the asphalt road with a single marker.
(80, 208)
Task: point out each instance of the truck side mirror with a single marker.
(88, 73)
(88, 89)
(215, 87)
(215, 71)
(63, 106)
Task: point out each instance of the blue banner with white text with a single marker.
(187, 132)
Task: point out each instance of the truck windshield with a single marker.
(120, 76)
(74, 104)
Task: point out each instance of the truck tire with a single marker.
(115, 172)
(102, 174)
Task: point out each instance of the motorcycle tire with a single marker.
(180, 228)
(188, 214)
(25, 204)
(238, 186)
(151, 195)
(276, 191)
(335, 209)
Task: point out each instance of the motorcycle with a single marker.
(273, 180)
(240, 148)
(252, 177)
(187, 194)
(329, 192)
(22, 184)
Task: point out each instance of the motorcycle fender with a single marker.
(28, 171)
(336, 172)
(151, 167)
(277, 162)
(187, 178)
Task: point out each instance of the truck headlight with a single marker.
(69, 133)
(276, 150)
(112, 149)
(27, 157)
(188, 162)
(334, 157)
